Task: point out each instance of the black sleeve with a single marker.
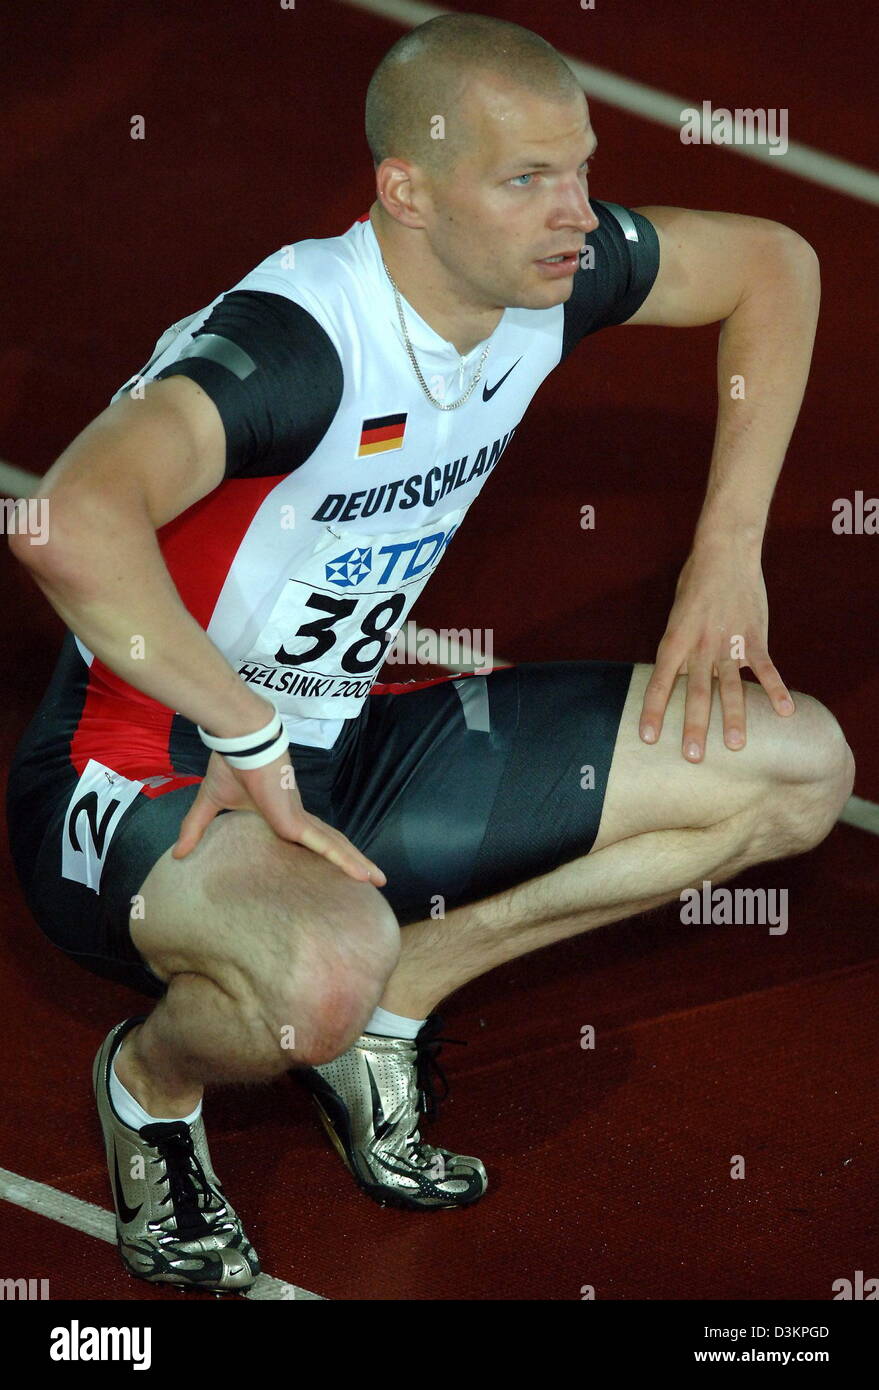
(625, 263)
(274, 375)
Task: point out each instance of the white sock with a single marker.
(132, 1113)
(389, 1025)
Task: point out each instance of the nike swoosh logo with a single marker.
(126, 1213)
(380, 1125)
(488, 391)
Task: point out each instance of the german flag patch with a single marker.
(382, 434)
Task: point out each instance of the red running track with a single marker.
(611, 1167)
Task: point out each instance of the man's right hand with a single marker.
(268, 791)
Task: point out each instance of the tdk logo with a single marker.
(348, 570)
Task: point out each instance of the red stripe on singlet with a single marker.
(403, 687)
(119, 724)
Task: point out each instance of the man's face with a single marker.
(517, 196)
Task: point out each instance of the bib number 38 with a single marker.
(361, 656)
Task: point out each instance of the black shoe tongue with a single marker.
(188, 1186)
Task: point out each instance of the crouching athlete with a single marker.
(216, 802)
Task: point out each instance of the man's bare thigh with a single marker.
(653, 787)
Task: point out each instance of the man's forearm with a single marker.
(763, 362)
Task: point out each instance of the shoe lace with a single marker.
(189, 1191)
(428, 1070)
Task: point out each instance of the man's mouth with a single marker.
(570, 260)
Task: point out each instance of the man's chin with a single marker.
(545, 295)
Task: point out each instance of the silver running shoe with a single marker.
(173, 1223)
(369, 1100)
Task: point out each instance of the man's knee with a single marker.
(316, 1008)
(303, 949)
(812, 774)
(821, 756)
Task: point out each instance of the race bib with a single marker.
(335, 619)
(96, 806)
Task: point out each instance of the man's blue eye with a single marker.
(515, 180)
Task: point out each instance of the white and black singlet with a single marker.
(344, 489)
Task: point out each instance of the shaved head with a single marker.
(481, 138)
(429, 73)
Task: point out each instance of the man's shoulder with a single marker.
(618, 265)
(317, 273)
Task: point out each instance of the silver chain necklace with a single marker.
(413, 359)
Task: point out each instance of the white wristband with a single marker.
(259, 757)
(250, 750)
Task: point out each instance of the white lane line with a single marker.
(16, 482)
(664, 109)
(96, 1221)
(863, 814)
(58, 1206)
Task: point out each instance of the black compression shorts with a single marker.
(456, 788)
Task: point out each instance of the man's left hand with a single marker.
(719, 623)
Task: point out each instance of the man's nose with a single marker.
(575, 210)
